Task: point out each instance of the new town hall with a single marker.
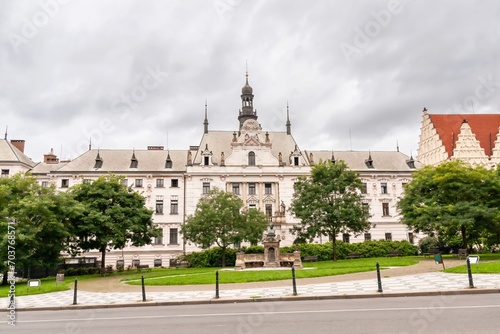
(259, 166)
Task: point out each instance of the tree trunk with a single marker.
(464, 237)
(223, 249)
(103, 260)
(334, 243)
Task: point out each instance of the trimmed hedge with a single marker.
(374, 248)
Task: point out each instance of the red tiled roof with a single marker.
(482, 125)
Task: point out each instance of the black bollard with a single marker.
(216, 284)
(75, 291)
(469, 272)
(379, 280)
(293, 282)
(143, 289)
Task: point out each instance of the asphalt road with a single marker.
(432, 314)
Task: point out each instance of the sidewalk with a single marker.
(430, 283)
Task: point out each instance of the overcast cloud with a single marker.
(356, 74)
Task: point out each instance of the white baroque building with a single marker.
(259, 166)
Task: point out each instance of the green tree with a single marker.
(42, 223)
(113, 216)
(452, 199)
(219, 219)
(329, 202)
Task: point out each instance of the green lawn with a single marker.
(482, 268)
(47, 285)
(194, 276)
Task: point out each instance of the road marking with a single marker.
(392, 309)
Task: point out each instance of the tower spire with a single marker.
(6, 128)
(247, 111)
(205, 123)
(288, 124)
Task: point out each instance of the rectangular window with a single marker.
(236, 188)
(64, 183)
(388, 236)
(345, 238)
(159, 239)
(411, 238)
(383, 187)
(160, 183)
(206, 160)
(206, 187)
(268, 189)
(159, 206)
(252, 206)
(174, 206)
(138, 183)
(366, 207)
(86, 181)
(269, 210)
(364, 188)
(174, 183)
(385, 209)
(125, 182)
(251, 188)
(295, 161)
(5, 173)
(45, 184)
(368, 236)
(174, 236)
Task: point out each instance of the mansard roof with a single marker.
(484, 126)
(382, 160)
(11, 154)
(118, 161)
(220, 141)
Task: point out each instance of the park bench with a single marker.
(462, 252)
(312, 258)
(353, 256)
(140, 267)
(395, 253)
(431, 252)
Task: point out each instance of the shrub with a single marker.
(427, 243)
(211, 257)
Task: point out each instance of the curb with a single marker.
(288, 298)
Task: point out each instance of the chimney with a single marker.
(50, 158)
(18, 143)
(155, 148)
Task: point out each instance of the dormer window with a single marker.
(295, 161)
(251, 159)
(98, 161)
(411, 163)
(206, 154)
(206, 161)
(133, 162)
(168, 162)
(369, 161)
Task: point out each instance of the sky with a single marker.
(356, 75)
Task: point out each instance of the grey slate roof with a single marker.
(10, 153)
(149, 161)
(220, 141)
(382, 160)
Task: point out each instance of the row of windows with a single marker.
(383, 188)
(368, 236)
(174, 206)
(251, 160)
(138, 183)
(173, 237)
(268, 189)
